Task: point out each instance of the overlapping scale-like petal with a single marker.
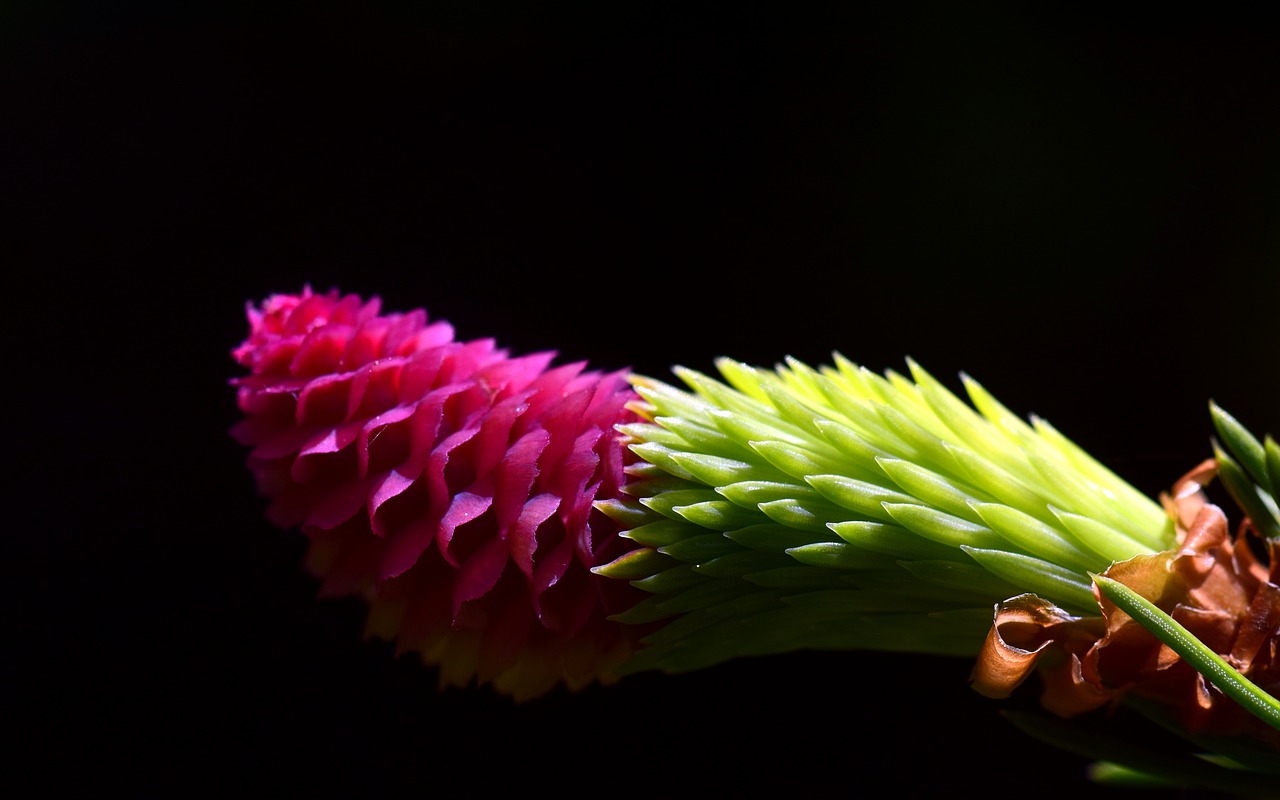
(449, 484)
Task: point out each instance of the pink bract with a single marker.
(447, 483)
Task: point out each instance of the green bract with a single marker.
(1250, 470)
(836, 508)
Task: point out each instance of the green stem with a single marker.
(1192, 650)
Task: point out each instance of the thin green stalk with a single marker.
(1192, 650)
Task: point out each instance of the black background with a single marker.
(1080, 212)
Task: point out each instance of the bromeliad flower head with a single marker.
(447, 483)
(528, 526)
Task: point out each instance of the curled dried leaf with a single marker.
(1214, 584)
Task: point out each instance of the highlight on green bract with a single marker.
(528, 527)
(900, 512)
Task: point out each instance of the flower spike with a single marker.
(529, 526)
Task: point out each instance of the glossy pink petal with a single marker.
(447, 483)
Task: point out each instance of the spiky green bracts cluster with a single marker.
(838, 509)
(1250, 470)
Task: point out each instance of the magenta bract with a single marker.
(447, 483)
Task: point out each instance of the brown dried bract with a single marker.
(1212, 583)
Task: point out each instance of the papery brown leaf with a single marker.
(1212, 583)
(1026, 629)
